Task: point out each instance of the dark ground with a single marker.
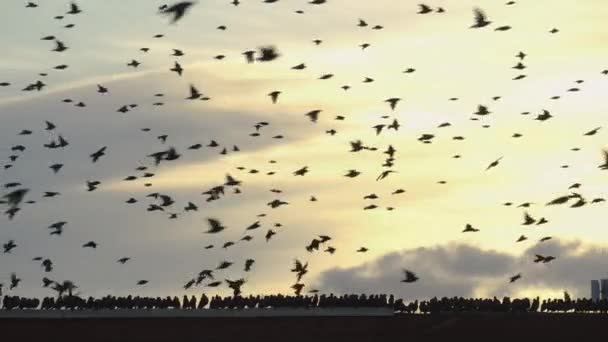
(445, 327)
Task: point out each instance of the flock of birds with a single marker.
(17, 194)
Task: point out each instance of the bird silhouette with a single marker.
(9, 246)
(90, 244)
(409, 277)
(248, 264)
(59, 46)
(214, 226)
(267, 54)
(469, 229)
(515, 278)
(300, 269)
(74, 9)
(177, 68)
(194, 93)
(352, 173)
(178, 10)
(494, 163)
(528, 220)
(14, 198)
(393, 102)
(274, 96)
(98, 154)
(14, 281)
(123, 260)
(604, 166)
(424, 9)
(480, 19)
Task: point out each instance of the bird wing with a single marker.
(479, 15)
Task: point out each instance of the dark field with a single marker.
(447, 327)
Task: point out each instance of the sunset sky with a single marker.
(424, 231)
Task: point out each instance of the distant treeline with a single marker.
(434, 305)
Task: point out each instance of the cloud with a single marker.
(469, 271)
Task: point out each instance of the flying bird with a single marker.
(74, 9)
(515, 277)
(274, 96)
(409, 277)
(98, 154)
(214, 226)
(480, 19)
(393, 102)
(178, 10)
(469, 228)
(494, 163)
